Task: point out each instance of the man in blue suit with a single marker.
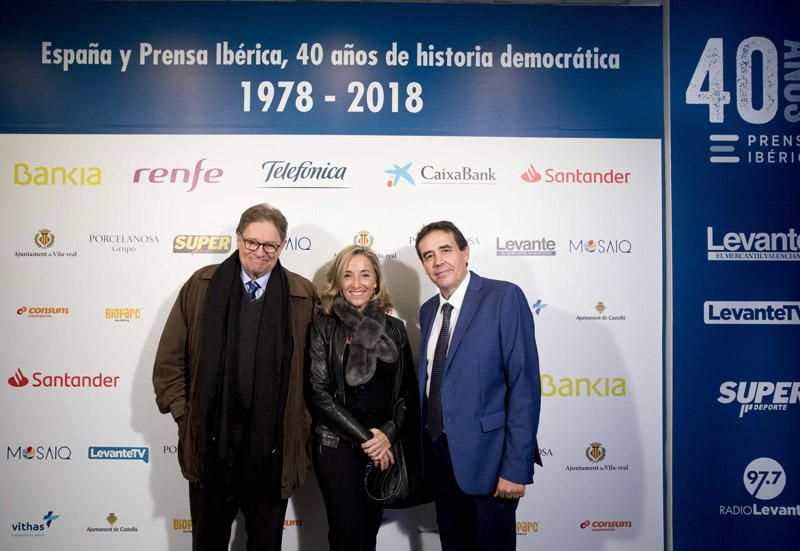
(480, 395)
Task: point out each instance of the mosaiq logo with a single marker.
(753, 246)
(579, 176)
(760, 396)
(764, 479)
(39, 453)
(600, 246)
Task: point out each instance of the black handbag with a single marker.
(401, 485)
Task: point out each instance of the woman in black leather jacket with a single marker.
(355, 348)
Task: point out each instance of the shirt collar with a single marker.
(262, 281)
(457, 298)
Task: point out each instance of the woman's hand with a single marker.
(379, 449)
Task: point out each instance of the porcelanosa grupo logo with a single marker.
(754, 246)
(126, 243)
(303, 175)
(764, 479)
(578, 176)
(760, 396)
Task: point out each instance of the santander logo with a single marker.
(18, 379)
(530, 175)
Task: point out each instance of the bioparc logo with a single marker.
(189, 177)
(123, 315)
(65, 380)
(35, 528)
(600, 246)
(182, 525)
(754, 246)
(550, 175)
(124, 453)
(764, 479)
(204, 244)
(305, 174)
(44, 239)
(442, 174)
(760, 396)
(39, 453)
(42, 311)
(527, 527)
(751, 313)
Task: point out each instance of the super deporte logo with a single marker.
(760, 396)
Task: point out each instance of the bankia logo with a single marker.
(754, 246)
(125, 453)
(202, 244)
(65, 380)
(304, 174)
(574, 175)
(600, 246)
(525, 247)
(398, 174)
(751, 313)
(39, 453)
(61, 176)
(34, 528)
(42, 311)
(185, 176)
(764, 479)
(760, 396)
(576, 387)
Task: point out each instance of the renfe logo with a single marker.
(124, 453)
(178, 175)
(756, 313)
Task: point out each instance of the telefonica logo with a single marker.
(201, 244)
(62, 176)
(303, 175)
(751, 313)
(189, 177)
(754, 246)
(574, 176)
(120, 452)
(760, 395)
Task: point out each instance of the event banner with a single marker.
(735, 106)
(132, 136)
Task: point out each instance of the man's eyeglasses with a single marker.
(269, 248)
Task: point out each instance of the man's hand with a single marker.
(508, 490)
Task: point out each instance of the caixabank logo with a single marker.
(35, 527)
(760, 397)
(201, 244)
(764, 479)
(64, 380)
(440, 174)
(581, 176)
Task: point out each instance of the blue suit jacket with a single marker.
(490, 388)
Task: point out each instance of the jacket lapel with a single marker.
(471, 300)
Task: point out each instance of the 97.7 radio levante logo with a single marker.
(767, 90)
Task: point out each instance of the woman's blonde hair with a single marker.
(333, 278)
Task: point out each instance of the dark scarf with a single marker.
(368, 340)
(235, 450)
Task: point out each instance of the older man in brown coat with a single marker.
(229, 368)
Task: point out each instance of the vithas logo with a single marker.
(18, 379)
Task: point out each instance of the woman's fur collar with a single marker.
(368, 340)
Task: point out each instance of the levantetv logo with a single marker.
(123, 453)
(754, 246)
(751, 313)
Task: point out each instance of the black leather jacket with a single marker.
(325, 384)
